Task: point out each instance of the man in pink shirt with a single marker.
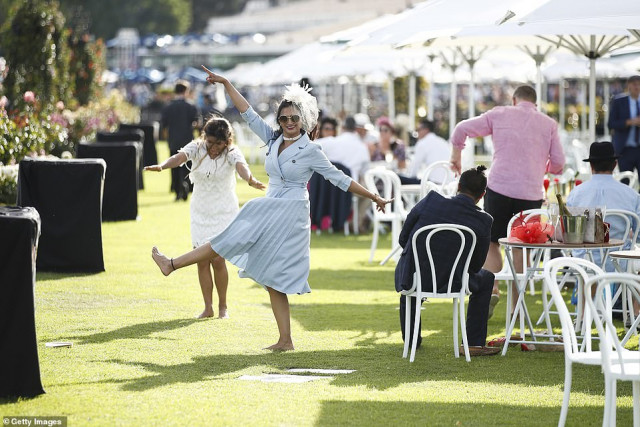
(525, 146)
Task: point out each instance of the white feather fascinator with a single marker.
(306, 104)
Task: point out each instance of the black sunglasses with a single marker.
(284, 119)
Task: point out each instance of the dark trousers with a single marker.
(480, 285)
(629, 160)
(179, 182)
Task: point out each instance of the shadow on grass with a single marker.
(50, 275)
(379, 367)
(139, 331)
(469, 414)
(347, 317)
(352, 280)
(361, 241)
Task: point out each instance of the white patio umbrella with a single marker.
(592, 28)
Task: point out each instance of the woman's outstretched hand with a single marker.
(257, 184)
(212, 77)
(155, 168)
(381, 203)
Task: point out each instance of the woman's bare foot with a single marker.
(280, 346)
(223, 313)
(163, 262)
(208, 312)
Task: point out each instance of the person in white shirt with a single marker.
(351, 150)
(348, 149)
(429, 149)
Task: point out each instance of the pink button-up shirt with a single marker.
(525, 146)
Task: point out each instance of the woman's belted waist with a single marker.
(283, 183)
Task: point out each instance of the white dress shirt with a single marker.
(348, 149)
(429, 149)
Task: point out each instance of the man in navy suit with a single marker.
(462, 210)
(624, 122)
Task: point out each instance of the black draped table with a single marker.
(120, 200)
(149, 155)
(325, 199)
(19, 366)
(68, 196)
(129, 135)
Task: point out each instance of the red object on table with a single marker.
(546, 184)
(531, 230)
(578, 182)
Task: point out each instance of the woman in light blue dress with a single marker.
(269, 239)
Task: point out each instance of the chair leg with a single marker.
(456, 349)
(416, 330)
(609, 418)
(374, 239)
(568, 367)
(463, 331)
(407, 325)
(636, 403)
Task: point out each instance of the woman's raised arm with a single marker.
(238, 100)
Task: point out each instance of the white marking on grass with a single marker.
(322, 371)
(282, 378)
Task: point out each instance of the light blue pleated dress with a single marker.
(269, 239)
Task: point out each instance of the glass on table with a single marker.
(554, 217)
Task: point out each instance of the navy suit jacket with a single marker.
(436, 209)
(619, 113)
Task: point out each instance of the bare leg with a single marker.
(280, 307)
(493, 263)
(206, 286)
(167, 265)
(221, 276)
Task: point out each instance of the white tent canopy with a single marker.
(592, 28)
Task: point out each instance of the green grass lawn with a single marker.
(139, 356)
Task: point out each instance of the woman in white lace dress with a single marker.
(214, 204)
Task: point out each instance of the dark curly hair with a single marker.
(473, 181)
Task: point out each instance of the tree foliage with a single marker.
(86, 64)
(35, 49)
(148, 16)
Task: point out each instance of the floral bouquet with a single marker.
(531, 230)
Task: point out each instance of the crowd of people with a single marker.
(274, 251)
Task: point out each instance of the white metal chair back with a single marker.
(631, 223)
(629, 175)
(417, 291)
(390, 186)
(554, 275)
(439, 173)
(617, 362)
(428, 186)
(584, 269)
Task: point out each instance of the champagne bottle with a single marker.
(562, 206)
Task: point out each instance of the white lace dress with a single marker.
(214, 203)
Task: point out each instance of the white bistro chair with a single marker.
(417, 293)
(630, 175)
(631, 223)
(554, 272)
(395, 212)
(438, 173)
(617, 362)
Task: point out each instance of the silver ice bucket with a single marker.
(573, 228)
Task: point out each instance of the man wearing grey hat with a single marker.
(624, 122)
